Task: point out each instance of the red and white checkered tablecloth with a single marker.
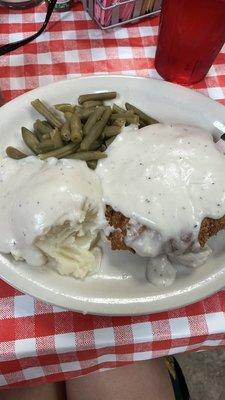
(40, 342)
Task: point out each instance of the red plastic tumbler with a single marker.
(191, 34)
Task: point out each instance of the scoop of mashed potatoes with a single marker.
(50, 211)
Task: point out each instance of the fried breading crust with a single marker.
(209, 227)
(118, 221)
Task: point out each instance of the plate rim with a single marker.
(118, 76)
(90, 308)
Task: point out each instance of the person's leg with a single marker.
(146, 380)
(51, 391)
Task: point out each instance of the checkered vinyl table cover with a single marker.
(39, 342)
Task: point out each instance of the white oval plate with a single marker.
(119, 287)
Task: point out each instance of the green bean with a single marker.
(46, 137)
(144, 117)
(87, 155)
(31, 140)
(78, 108)
(92, 164)
(68, 116)
(60, 153)
(46, 146)
(119, 122)
(97, 96)
(85, 113)
(38, 134)
(133, 119)
(109, 141)
(98, 124)
(95, 145)
(65, 132)
(46, 142)
(92, 103)
(111, 131)
(142, 124)
(46, 123)
(102, 148)
(65, 107)
(117, 108)
(53, 119)
(93, 118)
(96, 130)
(41, 127)
(124, 115)
(75, 128)
(56, 138)
(12, 152)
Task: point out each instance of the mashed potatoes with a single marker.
(50, 211)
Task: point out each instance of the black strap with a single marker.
(6, 48)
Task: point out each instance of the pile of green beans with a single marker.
(80, 131)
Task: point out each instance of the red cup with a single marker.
(191, 34)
